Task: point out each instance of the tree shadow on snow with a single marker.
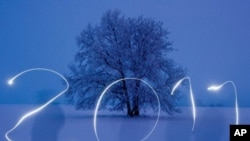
(136, 128)
(47, 124)
(212, 124)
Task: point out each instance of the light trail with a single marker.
(218, 87)
(191, 96)
(25, 116)
(106, 89)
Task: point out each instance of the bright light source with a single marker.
(10, 82)
(214, 88)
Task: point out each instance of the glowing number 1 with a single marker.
(25, 116)
(218, 87)
(191, 96)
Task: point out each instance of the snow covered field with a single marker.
(63, 123)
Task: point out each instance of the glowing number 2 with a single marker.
(25, 116)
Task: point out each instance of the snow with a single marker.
(63, 123)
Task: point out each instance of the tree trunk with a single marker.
(136, 109)
(129, 111)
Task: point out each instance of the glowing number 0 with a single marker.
(11, 81)
(110, 85)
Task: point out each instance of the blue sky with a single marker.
(212, 39)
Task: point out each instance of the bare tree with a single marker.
(121, 47)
